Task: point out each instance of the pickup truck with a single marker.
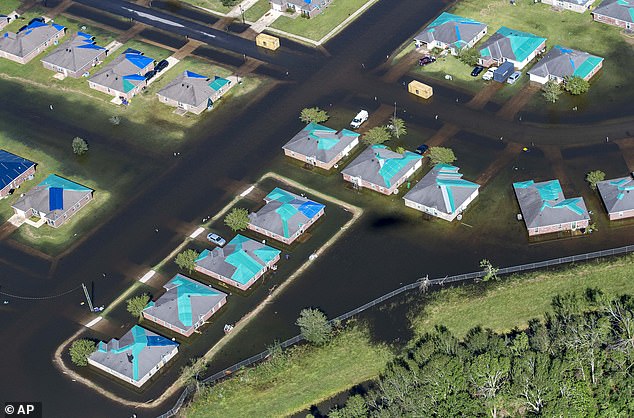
(361, 117)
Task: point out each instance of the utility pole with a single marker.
(88, 298)
(394, 110)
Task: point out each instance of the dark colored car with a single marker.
(161, 65)
(426, 60)
(422, 149)
(150, 74)
(477, 70)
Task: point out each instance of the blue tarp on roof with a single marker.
(192, 74)
(158, 341)
(310, 208)
(85, 35)
(11, 167)
(139, 60)
(55, 198)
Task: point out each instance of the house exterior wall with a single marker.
(612, 21)
(232, 282)
(4, 21)
(579, 8)
(570, 226)
(56, 223)
(281, 238)
(364, 183)
(615, 216)
(81, 71)
(35, 52)
(17, 182)
(174, 103)
(188, 332)
(446, 216)
(488, 61)
(328, 165)
(129, 95)
(559, 80)
(140, 382)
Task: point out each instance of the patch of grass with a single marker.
(320, 25)
(459, 71)
(309, 375)
(8, 6)
(259, 9)
(512, 302)
(215, 5)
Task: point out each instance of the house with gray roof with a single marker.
(618, 197)
(442, 193)
(545, 208)
(55, 200)
(320, 145)
(381, 169)
(4, 21)
(240, 263)
(511, 45)
(29, 41)
(578, 6)
(135, 357)
(75, 57)
(308, 8)
(285, 216)
(194, 92)
(451, 32)
(561, 62)
(185, 306)
(124, 77)
(616, 13)
(14, 170)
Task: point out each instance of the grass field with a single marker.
(512, 302)
(215, 5)
(7, 6)
(320, 25)
(308, 376)
(259, 9)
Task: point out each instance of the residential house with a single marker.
(124, 77)
(578, 6)
(135, 357)
(381, 169)
(194, 92)
(4, 21)
(616, 13)
(185, 305)
(30, 41)
(618, 197)
(75, 57)
(560, 62)
(545, 209)
(54, 200)
(511, 45)
(442, 193)
(321, 146)
(240, 263)
(308, 8)
(14, 170)
(451, 32)
(285, 216)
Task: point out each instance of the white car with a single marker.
(216, 239)
(361, 117)
(488, 76)
(513, 78)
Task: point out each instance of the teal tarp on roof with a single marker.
(550, 190)
(522, 43)
(185, 289)
(587, 66)
(56, 181)
(391, 166)
(218, 83)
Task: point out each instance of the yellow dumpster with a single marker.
(267, 41)
(420, 89)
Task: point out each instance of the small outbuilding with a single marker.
(267, 41)
(420, 89)
(618, 197)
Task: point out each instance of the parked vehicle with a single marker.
(422, 149)
(150, 74)
(361, 117)
(161, 65)
(477, 70)
(427, 59)
(513, 78)
(488, 76)
(216, 239)
(503, 73)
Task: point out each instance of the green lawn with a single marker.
(7, 6)
(310, 375)
(320, 25)
(510, 303)
(215, 5)
(259, 9)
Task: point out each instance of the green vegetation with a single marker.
(80, 146)
(302, 376)
(186, 260)
(376, 135)
(80, 350)
(314, 326)
(259, 9)
(593, 177)
(319, 26)
(576, 85)
(237, 219)
(469, 56)
(214, 5)
(491, 273)
(397, 127)
(9, 5)
(313, 114)
(136, 304)
(551, 91)
(441, 155)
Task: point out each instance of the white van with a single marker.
(361, 117)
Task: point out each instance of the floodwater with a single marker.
(389, 246)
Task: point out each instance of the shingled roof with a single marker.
(617, 194)
(562, 62)
(75, 53)
(29, 39)
(452, 30)
(510, 44)
(320, 142)
(616, 9)
(379, 165)
(193, 89)
(122, 74)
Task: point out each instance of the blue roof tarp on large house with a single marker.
(124, 73)
(12, 167)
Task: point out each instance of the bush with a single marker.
(377, 135)
(441, 155)
(314, 326)
(551, 91)
(576, 85)
(80, 350)
(469, 56)
(593, 177)
(313, 114)
(80, 146)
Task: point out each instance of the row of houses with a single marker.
(124, 77)
(454, 33)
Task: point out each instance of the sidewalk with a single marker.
(241, 8)
(265, 21)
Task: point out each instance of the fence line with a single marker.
(420, 283)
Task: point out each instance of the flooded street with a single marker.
(228, 151)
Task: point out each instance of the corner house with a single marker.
(618, 197)
(135, 357)
(30, 41)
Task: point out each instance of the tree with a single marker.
(576, 85)
(313, 114)
(490, 272)
(80, 146)
(441, 155)
(593, 177)
(314, 326)
(551, 91)
(400, 150)
(355, 408)
(80, 350)
(397, 126)
(237, 219)
(376, 135)
(469, 56)
(137, 304)
(187, 260)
